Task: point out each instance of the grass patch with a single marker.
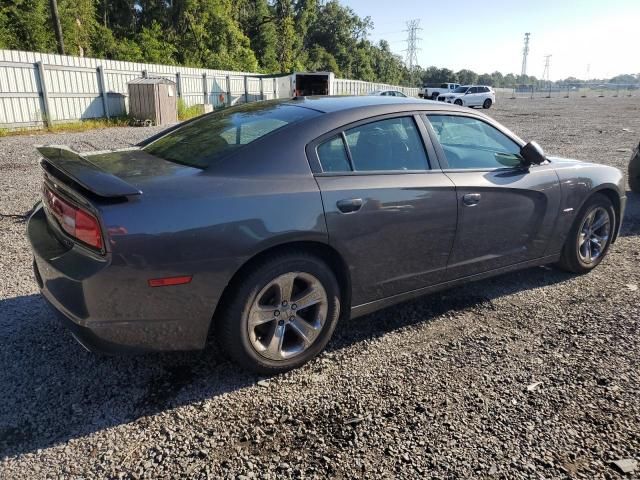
(185, 113)
(69, 127)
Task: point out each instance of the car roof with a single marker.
(338, 103)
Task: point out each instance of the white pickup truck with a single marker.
(433, 90)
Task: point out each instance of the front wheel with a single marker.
(487, 103)
(590, 236)
(458, 102)
(281, 314)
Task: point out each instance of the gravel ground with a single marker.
(437, 387)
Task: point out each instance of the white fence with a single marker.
(38, 89)
(343, 86)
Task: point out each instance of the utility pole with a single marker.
(412, 46)
(56, 25)
(525, 53)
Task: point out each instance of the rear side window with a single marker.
(385, 145)
(204, 141)
(393, 144)
(333, 155)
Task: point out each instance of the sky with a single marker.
(598, 37)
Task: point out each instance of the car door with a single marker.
(471, 98)
(389, 210)
(506, 213)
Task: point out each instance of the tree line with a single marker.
(276, 36)
(266, 36)
(497, 79)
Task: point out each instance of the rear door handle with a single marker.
(349, 205)
(471, 199)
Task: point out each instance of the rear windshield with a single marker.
(208, 139)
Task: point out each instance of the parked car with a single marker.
(634, 170)
(388, 93)
(434, 90)
(263, 224)
(471, 96)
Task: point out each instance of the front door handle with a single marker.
(471, 199)
(349, 205)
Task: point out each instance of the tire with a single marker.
(487, 103)
(434, 96)
(634, 171)
(256, 295)
(573, 255)
(458, 102)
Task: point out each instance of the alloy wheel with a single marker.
(593, 235)
(287, 315)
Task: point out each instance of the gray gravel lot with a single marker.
(433, 388)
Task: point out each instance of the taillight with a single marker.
(74, 220)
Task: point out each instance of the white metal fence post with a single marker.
(205, 92)
(178, 84)
(261, 88)
(43, 92)
(102, 86)
(246, 89)
(229, 90)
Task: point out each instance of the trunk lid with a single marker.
(109, 174)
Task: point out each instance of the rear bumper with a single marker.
(109, 308)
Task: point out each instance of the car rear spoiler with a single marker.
(65, 164)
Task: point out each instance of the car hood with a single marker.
(562, 162)
(451, 94)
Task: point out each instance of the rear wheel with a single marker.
(281, 314)
(590, 236)
(434, 96)
(487, 103)
(458, 102)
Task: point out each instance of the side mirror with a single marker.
(532, 154)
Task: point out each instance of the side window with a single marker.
(485, 90)
(393, 144)
(469, 143)
(333, 155)
(473, 90)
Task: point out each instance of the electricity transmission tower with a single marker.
(412, 46)
(545, 73)
(525, 53)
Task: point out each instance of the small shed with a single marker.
(154, 99)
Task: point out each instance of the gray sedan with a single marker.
(264, 224)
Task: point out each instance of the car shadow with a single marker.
(54, 391)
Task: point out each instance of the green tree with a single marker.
(485, 79)
(467, 77)
(286, 34)
(78, 20)
(26, 25)
(319, 60)
(155, 46)
(257, 22)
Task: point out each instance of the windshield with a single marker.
(461, 90)
(202, 142)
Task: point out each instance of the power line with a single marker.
(525, 53)
(412, 44)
